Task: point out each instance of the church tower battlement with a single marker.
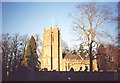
(52, 50)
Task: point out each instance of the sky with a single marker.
(31, 18)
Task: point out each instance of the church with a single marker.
(52, 54)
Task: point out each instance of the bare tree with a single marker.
(12, 50)
(108, 57)
(24, 40)
(5, 53)
(87, 20)
(65, 48)
(39, 44)
(112, 52)
(15, 48)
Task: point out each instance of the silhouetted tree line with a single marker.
(13, 53)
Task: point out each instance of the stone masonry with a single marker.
(52, 54)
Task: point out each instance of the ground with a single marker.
(63, 76)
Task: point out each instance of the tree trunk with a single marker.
(90, 50)
(32, 66)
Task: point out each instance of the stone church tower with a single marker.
(52, 50)
(52, 54)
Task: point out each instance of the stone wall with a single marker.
(67, 64)
(75, 64)
(51, 51)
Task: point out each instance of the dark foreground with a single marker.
(62, 76)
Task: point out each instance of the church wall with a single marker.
(62, 67)
(55, 48)
(75, 64)
(51, 38)
(60, 51)
(46, 51)
(51, 44)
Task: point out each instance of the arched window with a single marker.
(80, 68)
(86, 68)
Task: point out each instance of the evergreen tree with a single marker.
(31, 57)
(74, 52)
